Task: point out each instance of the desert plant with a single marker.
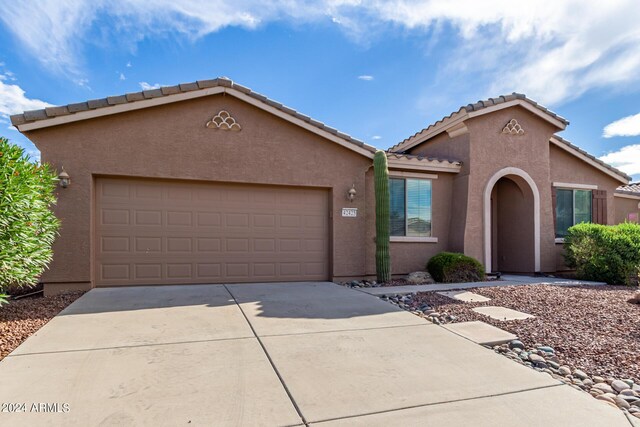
(27, 224)
(381, 173)
(451, 267)
(605, 253)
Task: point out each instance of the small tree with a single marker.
(27, 225)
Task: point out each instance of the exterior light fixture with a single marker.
(351, 194)
(64, 178)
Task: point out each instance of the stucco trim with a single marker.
(559, 240)
(561, 143)
(576, 186)
(487, 214)
(627, 196)
(410, 239)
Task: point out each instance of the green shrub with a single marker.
(604, 253)
(27, 225)
(450, 267)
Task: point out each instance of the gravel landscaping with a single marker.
(586, 336)
(21, 318)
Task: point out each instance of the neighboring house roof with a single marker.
(479, 108)
(632, 190)
(592, 160)
(53, 116)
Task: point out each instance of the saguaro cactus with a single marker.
(381, 173)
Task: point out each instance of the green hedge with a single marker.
(604, 253)
(27, 224)
(450, 267)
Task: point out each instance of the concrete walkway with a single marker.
(271, 354)
(506, 280)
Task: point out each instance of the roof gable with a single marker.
(487, 106)
(54, 116)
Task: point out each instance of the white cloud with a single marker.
(376, 137)
(13, 100)
(627, 159)
(147, 86)
(122, 77)
(626, 126)
(129, 64)
(553, 50)
(366, 77)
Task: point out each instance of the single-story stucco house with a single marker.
(210, 182)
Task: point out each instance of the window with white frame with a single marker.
(410, 207)
(572, 207)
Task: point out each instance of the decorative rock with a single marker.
(606, 388)
(588, 382)
(629, 392)
(606, 398)
(420, 278)
(635, 299)
(633, 409)
(623, 404)
(597, 379)
(618, 385)
(629, 382)
(536, 359)
(564, 370)
(516, 344)
(578, 373)
(546, 349)
(596, 392)
(553, 364)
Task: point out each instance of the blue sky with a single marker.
(378, 70)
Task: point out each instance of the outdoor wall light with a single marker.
(351, 194)
(64, 178)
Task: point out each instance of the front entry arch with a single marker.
(526, 184)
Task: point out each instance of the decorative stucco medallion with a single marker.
(223, 121)
(513, 128)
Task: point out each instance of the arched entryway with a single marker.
(512, 223)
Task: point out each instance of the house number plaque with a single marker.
(350, 212)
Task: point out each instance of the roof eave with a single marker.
(146, 99)
(464, 114)
(603, 167)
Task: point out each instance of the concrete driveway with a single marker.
(271, 354)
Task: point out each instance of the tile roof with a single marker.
(631, 188)
(480, 105)
(94, 104)
(413, 158)
(592, 157)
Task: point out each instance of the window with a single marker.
(572, 207)
(410, 207)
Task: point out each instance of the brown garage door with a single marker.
(167, 232)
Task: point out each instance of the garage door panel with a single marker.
(178, 232)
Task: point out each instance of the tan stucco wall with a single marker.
(413, 256)
(172, 141)
(624, 206)
(565, 168)
(484, 151)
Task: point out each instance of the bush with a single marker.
(27, 225)
(604, 253)
(449, 267)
